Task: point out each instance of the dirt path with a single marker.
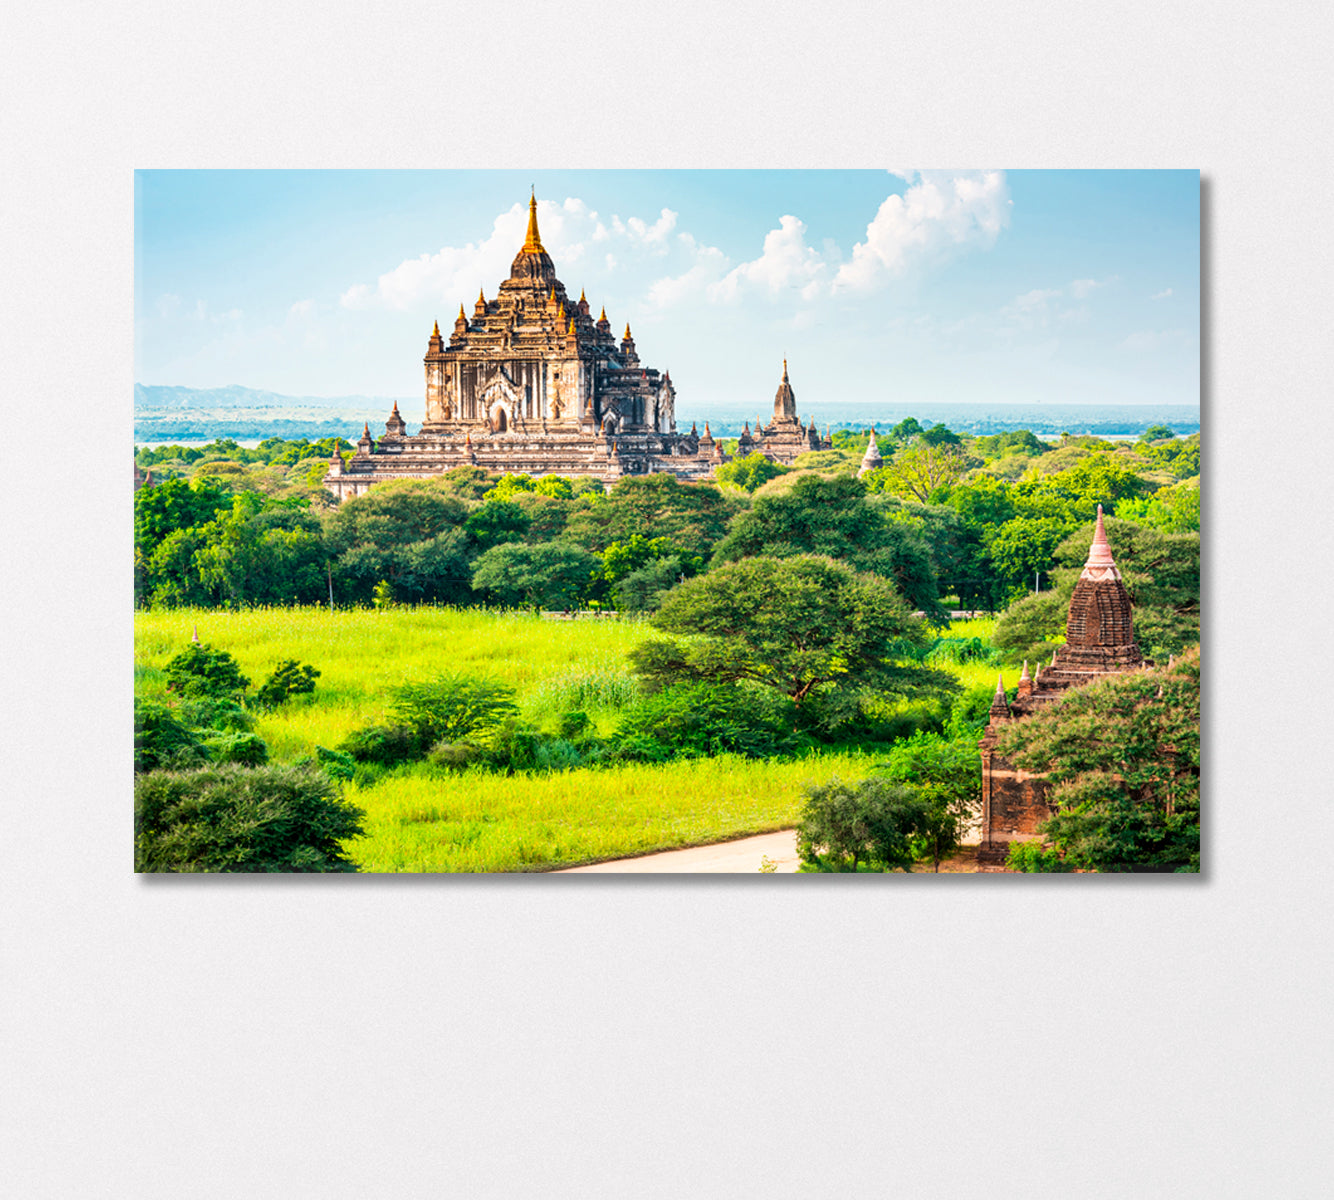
(722, 858)
(744, 856)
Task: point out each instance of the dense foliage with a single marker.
(233, 818)
(801, 625)
(781, 598)
(1123, 754)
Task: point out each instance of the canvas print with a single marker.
(667, 521)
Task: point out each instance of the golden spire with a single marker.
(435, 333)
(784, 370)
(582, 298)
(533, 243)
(626, 338)
(461, 316)
(571, 328)
(603, 317)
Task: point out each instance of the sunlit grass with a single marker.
(420, 819)
(426, 821)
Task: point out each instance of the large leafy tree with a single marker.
(408, 533)
(551, 576)
(832, 516)
(801, 625)
(173, 506)
(749, 471)
(1123, 755)
(921, 467)
(693, 515)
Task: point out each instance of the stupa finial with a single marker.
(533, 242)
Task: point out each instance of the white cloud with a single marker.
(1163, 295)
(655, 234)
(786, 263)
(454, 274)
(708, 264)
(1042, 307)
(1145, 340)
(939, 211)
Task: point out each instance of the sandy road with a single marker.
(722, 858)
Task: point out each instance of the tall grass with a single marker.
(418, 820)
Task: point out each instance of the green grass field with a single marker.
(422, 819)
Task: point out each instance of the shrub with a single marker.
(1032, 858)
(454, 754)
(845, 825)
(387, 745)
(334, 764)
(572, 724)
(200, 671)
(289, 678)
(213, 712)
(162, 739)
(701, 720)
(237, 819)
(451, 707)
(244, 749)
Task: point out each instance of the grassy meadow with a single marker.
(422, 819)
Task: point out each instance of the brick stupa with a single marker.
(1099, 641)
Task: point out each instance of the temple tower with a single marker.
(1099, 641)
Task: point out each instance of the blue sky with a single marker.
(998, 287)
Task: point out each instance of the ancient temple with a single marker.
(784, 437)
(531, 383)
(1099, 641)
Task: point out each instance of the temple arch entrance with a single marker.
(498, 421)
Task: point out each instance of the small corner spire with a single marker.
(603, 317)
(436, 331)
(626, 336)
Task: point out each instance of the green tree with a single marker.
(234, 818)
(1157, 433)
(289, 678)
(919, 469)
(199, 671)
(495, 522)
(832, 516)
(1123, 756)
(748, 472)
(451, 707)
(693, 515)
(173, 506)
(550, 576)
(946, 777)
(799, 625)
(844, 826)
(408, 533)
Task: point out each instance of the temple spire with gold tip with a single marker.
(533, 242)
